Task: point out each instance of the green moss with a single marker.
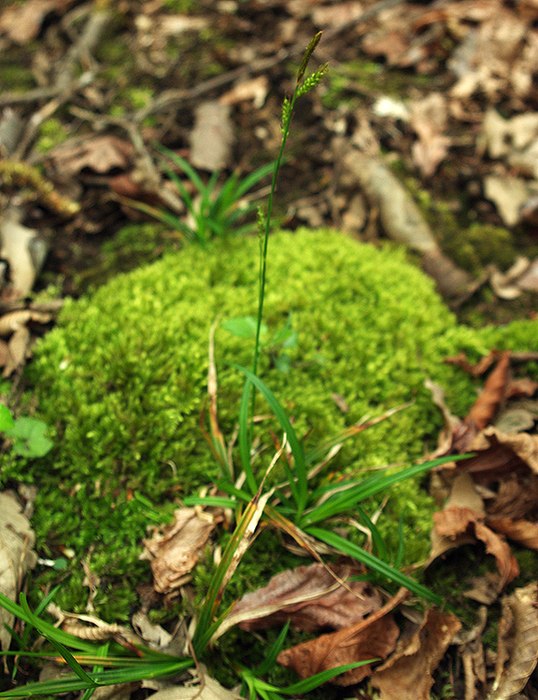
(123, 378)
(471, 245)
(51, 133)
(16, 77)
(132, 246)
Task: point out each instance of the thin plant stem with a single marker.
(285, 130)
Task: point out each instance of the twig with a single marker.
(64, 85)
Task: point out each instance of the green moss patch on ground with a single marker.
(123, 379)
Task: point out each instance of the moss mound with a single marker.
(123, 379)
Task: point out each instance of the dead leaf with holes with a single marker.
(517, 650)
(16, 556)
(372, 638)
(174, 551)
(311, 597)
(408, 673)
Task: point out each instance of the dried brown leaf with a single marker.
(374, 637)
(524, 532)
(310, 597)
(408, 674)
(22, 22)
(175, 551)
(101, 154)
(518, 642)
(461, 519)
(492, 395)
(502, 453)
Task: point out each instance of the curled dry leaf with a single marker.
(524, 532)
(517, 653)
(174, 552)
(408, 673)
(500, 452)
(308, 596)
(374, 637)
(462, 521)
(16, 556)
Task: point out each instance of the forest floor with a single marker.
(439, 97)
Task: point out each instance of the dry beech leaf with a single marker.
(461, 522)
(310, 597)
(101, 154)
(16, 556)
(408, 673)
(492, 395)
(502, 452)
(212, 136)
(175, 552)
(517, 654)
(374, 637)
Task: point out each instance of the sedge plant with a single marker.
(213, 210)
(299, 507)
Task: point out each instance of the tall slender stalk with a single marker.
(302, 86)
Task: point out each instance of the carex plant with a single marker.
(214, 210)
(301, 504)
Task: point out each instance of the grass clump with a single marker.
(123, 380)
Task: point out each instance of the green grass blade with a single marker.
(352, 550)
(245, 439)
(61, 648)
(274, 650)
(298, 480)
(249, 181)
(344, 500)
(377, 540)
(47, 629)
(212, 501)
(143, 671)
(308, 684)
(185, 166)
